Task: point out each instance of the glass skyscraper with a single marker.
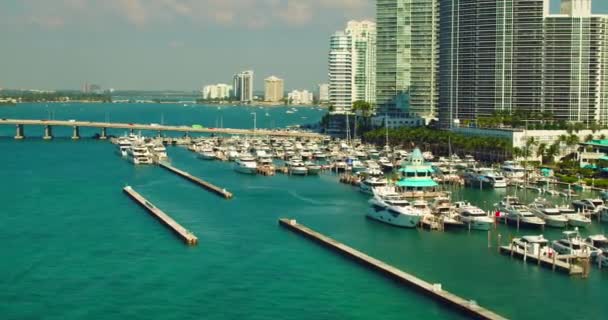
(507, 55)
(490, 57)
(576, 64)
(406, 67)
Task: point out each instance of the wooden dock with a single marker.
(468, 308)
(215, 189)
(186, 235)
(556, 262)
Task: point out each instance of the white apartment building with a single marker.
(217, 91)
(300, 97)
(352, 65)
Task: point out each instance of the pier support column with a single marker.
(131, 131)
(19, 134)
(159, 134)
(48, 133)
(76, 134)
(104, 134)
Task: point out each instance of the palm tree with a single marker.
(551, 152)
(529, 143)
(541, 150)
(588, 138)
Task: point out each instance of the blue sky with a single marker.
(170, 44)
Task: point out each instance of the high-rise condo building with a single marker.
(323, 92)
(407, 53)
(273, 89)
(490, 57)
(507, 55)
(352, 57)
(243, 86)
(340, 71)
(576, 64)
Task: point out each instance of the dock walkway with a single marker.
(556, 262)
(215, 189)
(434, 291)
(186, 235)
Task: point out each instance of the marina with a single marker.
(337, 210)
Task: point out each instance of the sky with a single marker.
(171, 44)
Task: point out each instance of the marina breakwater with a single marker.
(434, 291)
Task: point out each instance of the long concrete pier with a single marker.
(434, 291)
(165, 219)
(103, 126)
(206, 185)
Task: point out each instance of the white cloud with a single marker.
(247, 13)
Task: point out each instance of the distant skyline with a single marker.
(172, 44)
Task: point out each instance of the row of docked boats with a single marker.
(572, 246)
(541, 212)
(392, 207)
(139, 150)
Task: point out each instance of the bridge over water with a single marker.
(104, 126)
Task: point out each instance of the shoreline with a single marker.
(168, 103)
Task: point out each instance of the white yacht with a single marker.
(575, 219)
(516, 213)
(599, 242)
(512, 170)
(159, 151)
(387, 165)
(368, 185)
(296, 167)
(593, 206)
(473, 216)
(553, 216)
(573, 244)
(246, 164)
(485, 178)
(533, 245)
(207, 153)
(313, 168)
(139, 154)
(124, 144)
(393, 209)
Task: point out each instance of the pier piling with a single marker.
(165, 219)
(104, 134)
(206, 185)
(20, 133)
(48, 133)
(76, 133)
(431, 290)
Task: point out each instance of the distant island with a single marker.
(27, 96)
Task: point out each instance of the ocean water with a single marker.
(74, 246)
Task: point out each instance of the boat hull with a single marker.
(398, 220)
(245, 170)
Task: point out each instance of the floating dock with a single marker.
(217, 190)
(186, 235)
(468, 308)
(556, 262)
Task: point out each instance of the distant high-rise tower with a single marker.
(407, 52)
(274, 90)
(352, 57)
(323, 92)
(243, 86)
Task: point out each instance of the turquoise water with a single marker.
(75, 247)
